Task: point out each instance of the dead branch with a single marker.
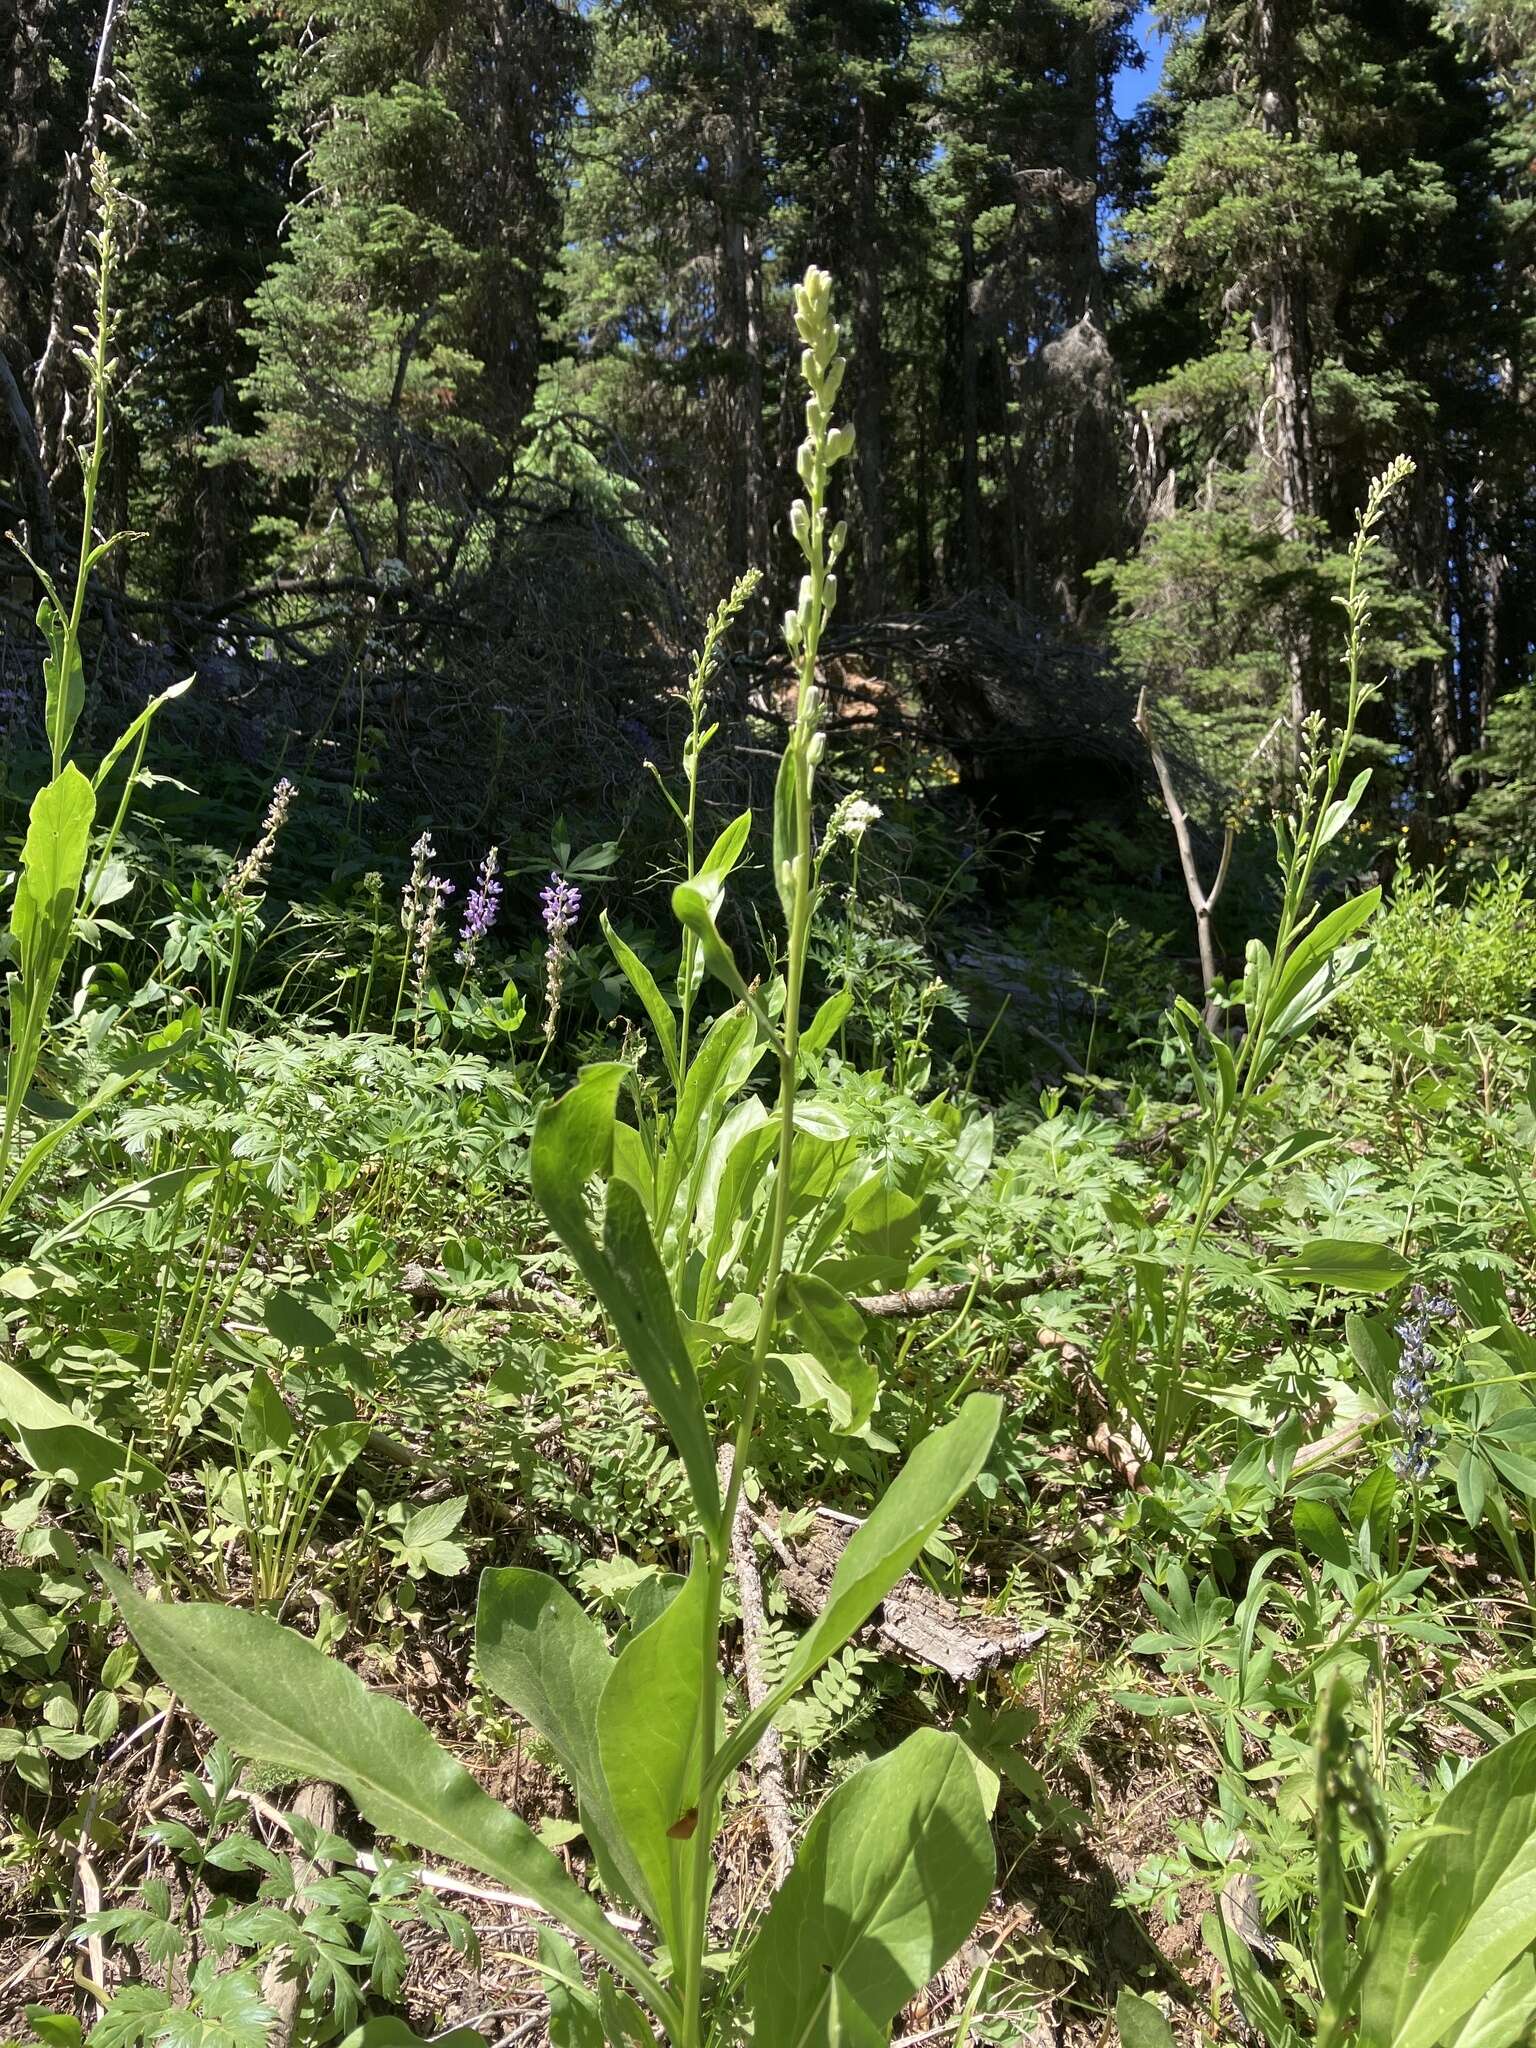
(914, 1621)
(1202, 900)
(282, 1983)
(768, 1757)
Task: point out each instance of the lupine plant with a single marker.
(1437, 1953)
(896, 1866)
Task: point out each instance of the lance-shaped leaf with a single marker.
(1502, 2017)
(1349, 1265)
(643, 982)
(892, 1876)
(63, 680)
(573, 2016)
(273, 1696)
(938, 1473)
(1463, 1911)
(572, 1145)
(548, 1659)
(1141, 2024)
(52, 866)
(696, 905)
(832, 1331)
(648, 1728)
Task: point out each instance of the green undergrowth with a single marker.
(465, 1388)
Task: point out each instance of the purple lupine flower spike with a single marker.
(562, 907)
(1410, 1389)
(479, 910)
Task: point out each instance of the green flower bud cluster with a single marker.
(824, 446)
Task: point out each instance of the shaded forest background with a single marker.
(458, 384)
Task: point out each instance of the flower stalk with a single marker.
(822, 368)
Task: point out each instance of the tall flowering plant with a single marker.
(561, 903)
(895, 1868)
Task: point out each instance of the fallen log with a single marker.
(914, 1621)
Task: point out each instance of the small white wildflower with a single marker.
(852, 818)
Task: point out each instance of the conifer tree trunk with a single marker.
(51, 395)
(741, 287)
(970, 482)
(1285, 323)
(869, 374)
(1083, 264)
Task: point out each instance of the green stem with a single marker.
(1252, 1066)
(802, 765)
(227, 1000)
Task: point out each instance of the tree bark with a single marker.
(1285, 317)
(737, 188)
(970, 482)
(37, 499)
(869, 366)
(52, 398)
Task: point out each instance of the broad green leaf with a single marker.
(648, 1728)
(572, 1145)
(1344, 1264)
(832, 1330)
(724, 1178)
(54, 2029)
(1314, 996)
(1319, 1530)
(1374, 1348)
(624, 2024)
(1502, 2016)
(718, 1071)
(265, 1424)
(939, 1472)
(295, 1323)
(1342, 809)
(1463, 1911)
(893, 1874)
(52, 866)
(643, 982)
(56, 1443)
(728, 847)
(537, 1649)
(1141, 2023)
(817, 1388)
(1313, 950)
(274, 1697)
(826, 1024)
(974, 1149)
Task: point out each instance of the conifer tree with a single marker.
(398, 336)
(1316, 231)
(209, 180)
